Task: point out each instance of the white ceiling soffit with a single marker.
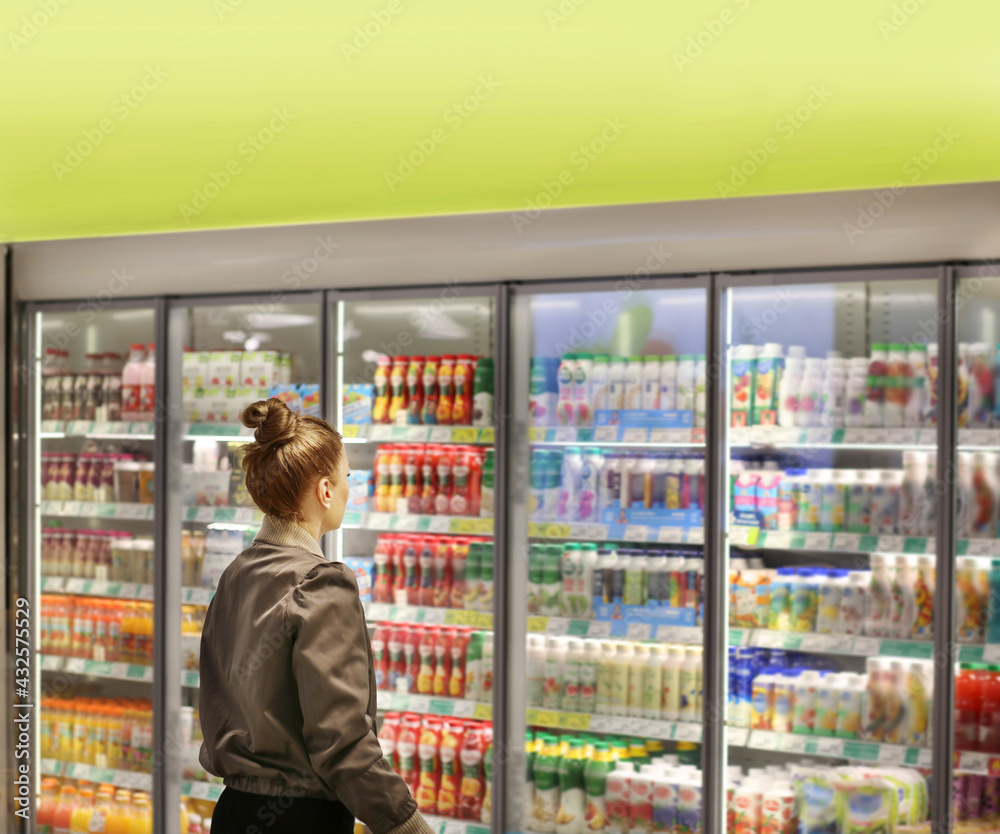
(934, 223)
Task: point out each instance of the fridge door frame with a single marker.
(500, 294)
(945, 544)
(518, 454)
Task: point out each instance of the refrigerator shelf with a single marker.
(838, 748)
(225, 432)
(430, 705)
(450, 524)
(444, 825)
(560, 626)
(428, 615)
(418, 434)
(230, 515)
(202, 790)
(96, 668)
(616, 532)
(88, 773)
(197, 596)
(96, 588)
(614, 725)
(746, 536)
(845, 644)
(616, 435)
(96, 509)
(99, 430)
(822, 438)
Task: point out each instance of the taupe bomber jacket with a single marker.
(288, 686)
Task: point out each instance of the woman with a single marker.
(287, 676)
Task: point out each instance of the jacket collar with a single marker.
(287, 534)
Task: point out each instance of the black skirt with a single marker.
(253, 813)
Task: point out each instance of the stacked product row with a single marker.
(592, 484)
(579, 784)
(114, 555)
(104, 390)
(436, 571)
(429, 479)
(453, 661)
(97, 629)
(580, 579)
(655, 681)
(105, 732)
(447, 763)
(73, 808)
(570, 390)
(96, 476)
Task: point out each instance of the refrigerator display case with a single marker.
(417, 399)
(606, 517)
(94, 463)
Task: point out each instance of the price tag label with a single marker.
(974, 762)
(846, 542)
(465, 709)
(639, 631)
(132, 511)
(739, 437)
(830, 747)
(670, 535)
(606, 434)
(420, 703)
(51, 663)
(378, 521)
(696, 535)
(602, 628)
(843, 643)
(891, 754)
(381, 433)
(71, 508)
(991, 653)
(406, 522)
(442, 434)
(660, 436)
(205, 514)
(925, 758)
(596, 532)
(890, 544)
(598, 723)
(417, 433)
(739, 535)
(557, 626)
(635, 435)
(867, 646)
(636, 533)
(982, 547)
(439, 524)
(144, 592)
(737, 736)
(765, 639)
(878, 437)
(778, 539)
(817, 541)
(905, 437)
(792, 743)
(566, 434)
(74, 585)
(433, 616)
(687, 732)
(243, 515)
(761, 740)
(965, 437)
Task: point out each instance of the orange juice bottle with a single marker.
(113, 638)
(46, 813)
(79, 733)
(115, 714)
(79, 821)
(446, 390)
(142, 815)
(102, 809)
(396, 457)
(397, 389)
(380, 408)
(102, 733)
(144, 635)
(65, 808)
(120, 816)
(127, 653)
(125, 747)
(185, 819)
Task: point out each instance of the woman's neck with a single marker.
(312, 527)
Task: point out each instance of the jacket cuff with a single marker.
(416, 824)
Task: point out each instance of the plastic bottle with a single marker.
(853, 603)
(572, 675)
(633, 383)
(636, 680)
(923, 600)
(585, 580)
(971, 604)
(811, 394)
(565, 404)
(635, 579)
(590, 478)
(142, 815)
(668, 383)
(651, 383)
(767, 373)
(132, 383)
(879, 610)
(582, 390)
(918, 706)
(700, 391)
(570, 818)
(555, 658)
(916, 405)
(445, 391)
(543, 397)
(833, 408)
(652, 686)
(570, 484)
(968, 706)
(570, 568)
(782, 713)
(536, 671)
(600, 391)
(605, 677)
(896, 704)
(672, 683)
(762, 705)
(877, 374)
(896, 386)
(595, 777)
(620, 667)
(147, 386)
(903, 611)
(589, 667)
(803, 593)
(989, 714)
(688, 684)
(686, 382)
(827, 704)
(616, 383)
(790, 390)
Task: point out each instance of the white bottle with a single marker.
(582, 375)
(904, 607)
(616, 383)
(668, 383)
(878, 613)
(590, 484)
(700, 391)
(633, 383)
(916, 404)
(652, 689)
(895, 399)
(686, 382)
(572, 675)
(589, 670)
(555, 658)
(536, 669)
(651, 383)
(620, 667)
(605, 677)
(132, 384)
(672, 683)
(147, 386)
(570, 485)
(790, 391)
(689, 673)
(600, 393)
(878, 373)
(811, 394)
(853, 603)
(570, 566)
(565, 406)
(637, 679)
(585, 582)
(833, 411)
(856, 394)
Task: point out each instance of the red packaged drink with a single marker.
(452, 736)
(413, 465)
(446, 390)
(477, 454)
(968, 704)
(461, 410)
(382, 582)
(459, 557)
(428, 411)
(467, 473)
(388, 736)
(442, 572)
(415, 390)
(380, 653)
(383, 481)
(397, 456)
(473, 784)
(429, 762)
(398, 548)
(397, 658)
(411, 652)
(442, 496)
(397, 389)
(406, 750)
(426, 660)
(429, 478)
(425, 562)
(456, 683)
(411, 569)
(989, 714)
(443, 660)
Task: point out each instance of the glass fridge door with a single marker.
(91, 536)
(226, 353)
(415, 375)
(606, 569)
(831, 493)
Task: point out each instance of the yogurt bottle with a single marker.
(600, 393)
(811, 394)
(686, 382)
(790, 390)
(590, 478)
(897, 388)
(885, 502)
(853, 603)
(877, 373)
(912, 498)
(856, 393)
(879, 602)
(668, 383)
(916, 403)
(570, 485)
(565, 405)
(857, 517)
(633, 383)
(582, 376)
(651, 383)
(741, 393)
(903, 611)
(700, 391)
(616, 383)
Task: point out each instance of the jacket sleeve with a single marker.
(330, 662)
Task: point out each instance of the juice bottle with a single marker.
(388, 738)
(878, 370)
(595, 778)
(968, 704)
(446, 390)
(565, 406)
(429, 478)
(79, 821)
(462, 380)
(459, 561)
(633, 383)
(989, 716)
(486, 813)
(456, 684)
(380, 408)
(426, 649)
(142, 815)
(461, 502)
(445, 481)
(102, 810)
(397, 657)
(897, 389)
(429, 393)
(406, 750)
(923, 621)
(411, 655)
(46, 813)
(570, 818)
(600, 391)
(120, 817)
(429, 763)
(64, 809)
(918, 706)
(415, 390)
(441, 592)
(147, 386)
(452, 735)
(473, 784)
(380, 653)
(582, 387)
(971, 604)
(382, 584)
(443, 660)
(395, 503)
(397, 389)
(132, 383)
(413, 467)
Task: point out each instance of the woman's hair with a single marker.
(290, 453)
